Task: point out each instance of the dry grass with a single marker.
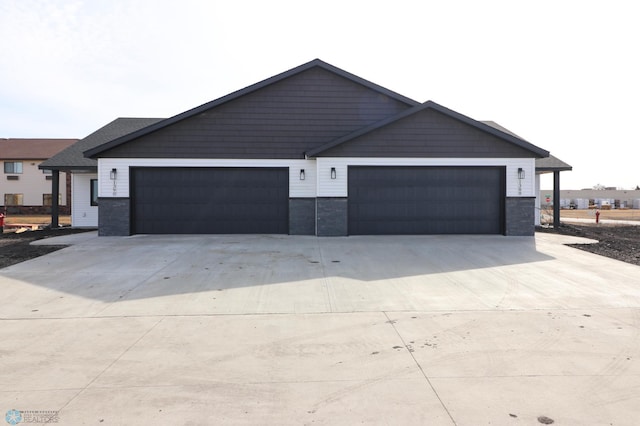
(35, 219)
(604, 214)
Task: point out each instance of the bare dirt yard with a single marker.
(15, 246)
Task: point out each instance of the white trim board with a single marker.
(318, 182)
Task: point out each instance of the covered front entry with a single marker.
(209, 200)
(426, 200)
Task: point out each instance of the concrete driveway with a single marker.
(421, 330)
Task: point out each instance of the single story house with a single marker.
(312, 151)
(83, 171)
(25, 188)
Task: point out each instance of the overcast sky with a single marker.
(565, 75)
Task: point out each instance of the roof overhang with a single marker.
(85, 169)
(551, 164)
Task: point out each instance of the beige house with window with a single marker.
(24, 188)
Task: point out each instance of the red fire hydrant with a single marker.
(1, 222)
(597, 216)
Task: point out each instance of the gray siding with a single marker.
(519, 214)
(428, 133)
(282, 120)
(114, 217)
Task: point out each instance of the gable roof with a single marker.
(32, 149)
(507, 136)
(316, 63)
(72, 158)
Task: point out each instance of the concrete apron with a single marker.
(269, 329)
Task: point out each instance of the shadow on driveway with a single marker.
(125, 268)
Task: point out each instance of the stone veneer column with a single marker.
(332, 217)
(302, 216)
(114, 217)
(520, 216)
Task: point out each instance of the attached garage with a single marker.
(315, 151)
(426, 200)
(198, 200)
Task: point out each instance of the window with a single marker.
(46, 172)
(46, 199)
(13, 167)
(94, 192)
(12, 199)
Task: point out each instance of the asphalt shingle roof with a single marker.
(551, 164)
(32, 149)
(72, 158)
(545, 164)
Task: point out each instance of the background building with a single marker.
(24, 188)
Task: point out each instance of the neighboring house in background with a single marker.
(312, 151)
(84, 171)
(24, 188)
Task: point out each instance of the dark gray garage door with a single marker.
(210, 200)
(426, 200)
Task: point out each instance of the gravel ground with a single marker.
(617, 242)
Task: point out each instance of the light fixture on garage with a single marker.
(302, 176)
(333, 173)
(114, 175)
(520, 179)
